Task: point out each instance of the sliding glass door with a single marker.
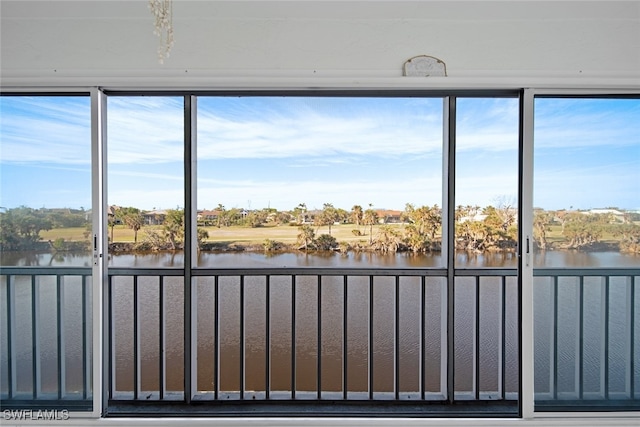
(486, 361)
(45, 243)
(587, 253)
(324, 267)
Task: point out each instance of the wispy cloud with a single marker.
(588, 186)
(308, 134)
(579, 123)
(489, 124)
(143, 130)
(45, 129)
(164, 175)
(284, 151)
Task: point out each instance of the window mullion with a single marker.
(525, 266)
(190, 249)
(448, 235)
(101, 366)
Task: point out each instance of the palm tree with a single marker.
(173, 227)
(369, 218)
(416, 241)
(388, 239)
(133, 218)
(328, 216)
(306, 236)
(299, 212)
(221, 214)
(111, 221)
(356, 215)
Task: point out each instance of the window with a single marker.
(45, 229)
(586, 196)
(314, 247)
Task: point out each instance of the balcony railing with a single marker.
(343, 341)
(46, 338)
(356, 336)
(587, 344)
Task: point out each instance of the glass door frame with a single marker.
(525, 272)
(97, 166)
(100, 367)
(190, 247)
(529, 96)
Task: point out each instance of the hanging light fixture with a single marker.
(162, 11)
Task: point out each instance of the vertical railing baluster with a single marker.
(86, 339)
(632, 318)
(267, 350)
(606, 337)
(554, 346)
(293, 337)
(476, 345)
(11, 335)
(581, 338)
(319, 339)
(423, 330)
(345, 323)
(35, 336)
(503, 339)
(216, 338)
(242, 338)
(396, 340)
(162, 351)
(61, 337)
(112, 340)
(370, 338)
(628, 339)
(136, 341)
(603, 343)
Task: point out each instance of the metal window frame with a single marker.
(530, 94)
(448, 188)
(96, 182)
(99, 203)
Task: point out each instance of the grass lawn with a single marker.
(120, 234)
(282, 233)
(241, 235)
(554, 235)
(75, 234)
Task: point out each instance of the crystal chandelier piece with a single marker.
(162, 11)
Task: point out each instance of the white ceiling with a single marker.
(98, 42)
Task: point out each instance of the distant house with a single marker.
(208, 217)
(389, 216)
(155, 217)
(111, 214)
(478, 217)
(310, 216)
(617, 215)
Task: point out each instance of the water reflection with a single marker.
(545, 259)
(40, 259)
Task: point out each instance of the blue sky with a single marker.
(274, 151)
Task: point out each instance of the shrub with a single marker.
(326, 242)
(271, 245)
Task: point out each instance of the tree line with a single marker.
(584, 231)
(20, 227)
(417, 229)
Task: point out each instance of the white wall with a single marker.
(322, 43)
